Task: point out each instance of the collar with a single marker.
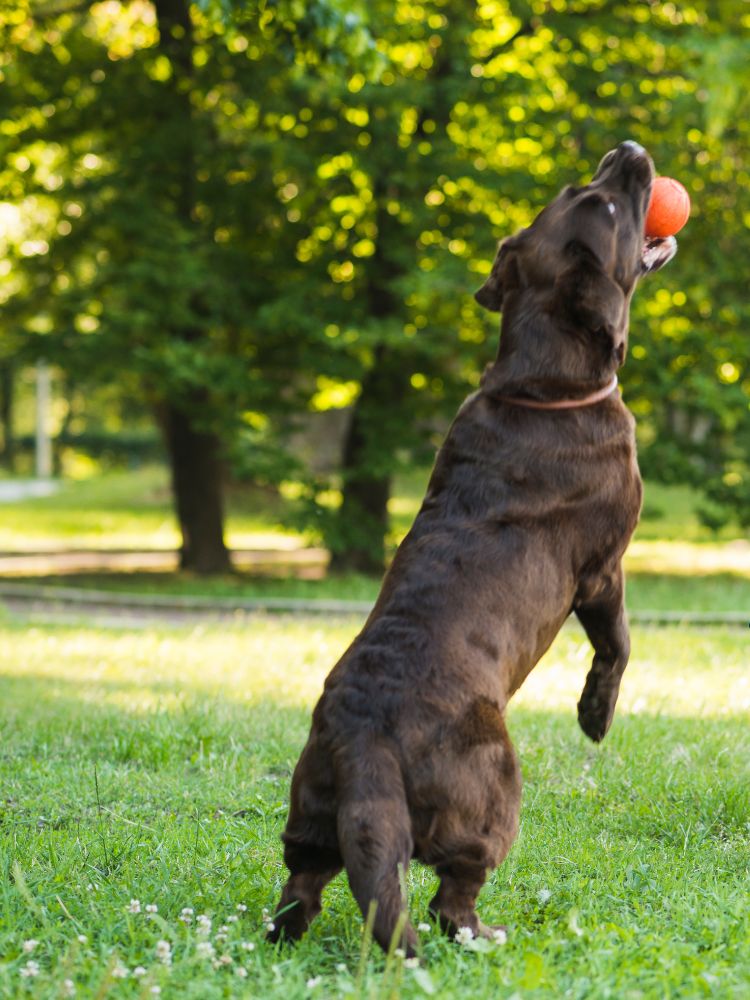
(563, 404)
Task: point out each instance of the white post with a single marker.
(43, 440)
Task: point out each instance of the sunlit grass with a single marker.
(131, 510)
(155, 766)
(673, 564)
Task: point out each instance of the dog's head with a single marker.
(585, 252)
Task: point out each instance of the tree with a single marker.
(482, 114)
(149, 178)
(225, 211)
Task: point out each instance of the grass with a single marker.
(647, 591)
(155, 766)
(673, 563)
(131, 510)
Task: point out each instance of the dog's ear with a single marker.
(599, 305)
(589, 299)
(502, 277)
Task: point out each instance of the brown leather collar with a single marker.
(563, 404)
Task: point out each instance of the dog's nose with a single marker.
(631, 146)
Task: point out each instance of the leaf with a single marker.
(534, 971)
(423, 979)
(573, 923)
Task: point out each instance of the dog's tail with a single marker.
(375, 839)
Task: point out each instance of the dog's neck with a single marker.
(541, 363)
(563, 404)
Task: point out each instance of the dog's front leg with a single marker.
(606, 624)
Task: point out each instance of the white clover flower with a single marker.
(241, 908)
(543, 895)
(82, 939)
(232, 919)
(220, 937)
(204, 949)
(500, 936)
(68, 988)
(313, 982)
(247, 945)
(30, 970)
(464, 935)
(411, 963)
(135, 906)
(139, 971)
(164, 952)
(341, 967)
(120, 971)
(186, 915)
(30, 945)
(152, 908)
(203, 925)
(424, 928)
(270, 926)
(241, 971)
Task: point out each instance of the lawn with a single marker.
(673, 562)
(155, 767)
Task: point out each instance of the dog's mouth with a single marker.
(656, 252)
(631, 168)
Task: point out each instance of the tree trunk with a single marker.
(363, 515)
(7, 380)
(197, 489)
(194, 454)
(372, 436)
(374, 430)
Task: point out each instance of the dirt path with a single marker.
(305, 563)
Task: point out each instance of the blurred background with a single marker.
(239, 243)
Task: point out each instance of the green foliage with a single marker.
(308, 197)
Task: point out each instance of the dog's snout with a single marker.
(625, 165)
(633, 147)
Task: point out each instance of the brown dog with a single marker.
(533, 499)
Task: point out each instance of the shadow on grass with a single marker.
(694, 591)
(647, 766)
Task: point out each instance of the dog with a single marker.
(534, 496)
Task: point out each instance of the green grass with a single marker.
(647, 591)
(130, 509)
(672, 564)
(629, 877)
(133, 509)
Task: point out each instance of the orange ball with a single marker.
(669, 208)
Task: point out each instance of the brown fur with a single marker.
(526, 518)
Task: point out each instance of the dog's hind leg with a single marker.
(375, 839)
(311, 868)
(465, 852)
(453, 905)
(311, 851)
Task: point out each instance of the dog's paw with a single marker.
(594, 719)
